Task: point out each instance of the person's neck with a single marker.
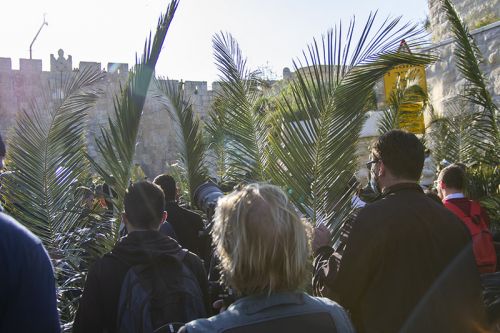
(395, 181)
(447, 191)
(131, 228)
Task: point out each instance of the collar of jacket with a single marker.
(142, 246)
(401, 187)
(257, 303)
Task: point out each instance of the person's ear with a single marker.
(381, 169)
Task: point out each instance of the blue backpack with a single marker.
(159, 297)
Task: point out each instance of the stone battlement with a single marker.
(35, 66)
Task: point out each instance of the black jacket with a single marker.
(187, 225)
(408, 266)
(99, 304)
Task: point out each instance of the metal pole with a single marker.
(44, 23)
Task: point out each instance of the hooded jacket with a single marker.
(99, 304)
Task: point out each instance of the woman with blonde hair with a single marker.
(265, 256)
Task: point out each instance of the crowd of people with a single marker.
(405, 262)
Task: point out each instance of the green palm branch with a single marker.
(240, 92)
(485, 119)
(47, 151)
(191, 142)
(314, 139)
(47, 154)
(217, 141)
(451, 136)
(117, 144)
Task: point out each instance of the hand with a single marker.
(219, 305)
(321, 237)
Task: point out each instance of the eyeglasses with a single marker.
(369, 163)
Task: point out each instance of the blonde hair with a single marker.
(262, 244)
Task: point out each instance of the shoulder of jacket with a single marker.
(202, 325)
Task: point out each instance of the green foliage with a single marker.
(47, 155)
(468, 133)
(117, 144)
(314, 146)
(451, 136)
(191, 144)
(240, 92)
(484, 185)
(483, 123)
(217, 141)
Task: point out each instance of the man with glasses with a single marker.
(408, 264)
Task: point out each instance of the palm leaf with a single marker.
(217, 141)
(47, 151)
(240, 92)
(117, 144)
(485, 122)
(452, 137)
(190, 142)
(315, 137)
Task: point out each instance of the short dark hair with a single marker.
(453, 176)
(167, 184)
(401, 152)
(144, 205)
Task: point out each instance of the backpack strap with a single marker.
(455, 209)
(475, 208)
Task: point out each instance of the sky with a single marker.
(271, 33)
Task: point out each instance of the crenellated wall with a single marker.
(157, 135)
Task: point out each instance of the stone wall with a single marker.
(443, 79)
(157, 136)
(474, 13)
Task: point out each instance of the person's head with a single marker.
(167, 184)
(261, 242)
(144, 206)
(396, 157)
(451, 179)
(3, 152)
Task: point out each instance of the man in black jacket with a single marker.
(187, 225)
(144, 212)
(408, 264)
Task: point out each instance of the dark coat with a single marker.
(27, 286)
(99, 304)
(187, 226)
(408, 266)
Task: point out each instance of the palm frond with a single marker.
(117, 144)
(217, 141)
(190, 141)
(315, 141)
(452, 137)
(240, 91)
(47, 153)
(468, 59)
